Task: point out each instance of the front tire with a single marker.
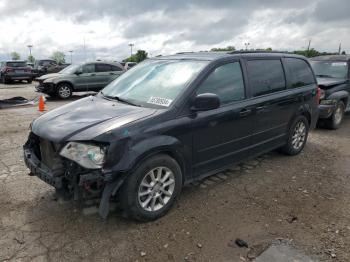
(150, 191)
(297, 136)
(64, 91)
(337, 117)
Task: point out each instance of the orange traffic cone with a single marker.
(41, 104)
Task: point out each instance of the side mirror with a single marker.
(206, 101)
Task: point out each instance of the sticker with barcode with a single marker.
(159, 101)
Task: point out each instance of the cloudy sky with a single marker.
(166, 27)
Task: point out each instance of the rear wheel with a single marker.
(3, 79)
(297, 136)
(150, 191)
(29, 81)
(337, 117)
(64, 90)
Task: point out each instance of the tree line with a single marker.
(141, 55)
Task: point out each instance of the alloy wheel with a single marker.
(156, 189)
(64, 91)
(299, 135)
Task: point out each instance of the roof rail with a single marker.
(257, 51)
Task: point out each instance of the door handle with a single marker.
(245, 112)
(260, 108)
(92, 74)
(111, 73)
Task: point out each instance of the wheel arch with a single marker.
(65, 82)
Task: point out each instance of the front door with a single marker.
(222, 136)
(87, 79)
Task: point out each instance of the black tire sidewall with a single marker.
(129, 193)
(288, 148)
(332, 124)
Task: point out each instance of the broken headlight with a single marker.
(87, 155)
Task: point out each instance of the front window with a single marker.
(331, 69)
(154, 83)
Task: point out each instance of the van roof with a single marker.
(211, 56)
(331, 58)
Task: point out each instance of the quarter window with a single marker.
(300, 72)
(266, 76)
(226, 82)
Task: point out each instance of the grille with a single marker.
(47, 153)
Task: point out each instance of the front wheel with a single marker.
(297, 136)
(64, 91)
(337, 117)
(150, 191)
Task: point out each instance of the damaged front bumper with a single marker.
(70, 180)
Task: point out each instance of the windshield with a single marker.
(331, 69)
(70, 69)
(16, 64)
(154, 82)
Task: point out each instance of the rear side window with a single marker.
(226, 81)
(266, 76)
(116, 68)
(300, 72)
(103, 68)
(89, 68)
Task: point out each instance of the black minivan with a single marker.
(172, 120)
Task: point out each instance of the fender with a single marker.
(339, 95)
(156, 144)
(134, 156)
(63, 81)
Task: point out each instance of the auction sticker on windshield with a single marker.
(159, 101)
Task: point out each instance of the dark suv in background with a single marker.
(47, 66)
(172, 120)
(91, 76)
(15, 70)
(333, 74)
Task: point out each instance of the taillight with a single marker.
(320, 94)
(8, 69)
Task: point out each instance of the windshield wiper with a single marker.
(120, 99)
(325, 76)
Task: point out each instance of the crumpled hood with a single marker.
(47, 76)
(328, 82)
(86, 118)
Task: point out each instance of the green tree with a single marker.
(15, 56)
(226, 49)
(138, 57)
(343, 53)
(59, 57)
(31, 59)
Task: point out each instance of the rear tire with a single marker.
(3, 79)
(151, 190)
(335, 120)
(64, 90)
(297, 136)
(29, 81)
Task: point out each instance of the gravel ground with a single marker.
(303, 201)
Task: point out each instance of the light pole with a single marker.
(246, 46)
(71, 56)
(30, 51)
(131, 45)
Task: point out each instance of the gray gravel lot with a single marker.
(303, 201)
